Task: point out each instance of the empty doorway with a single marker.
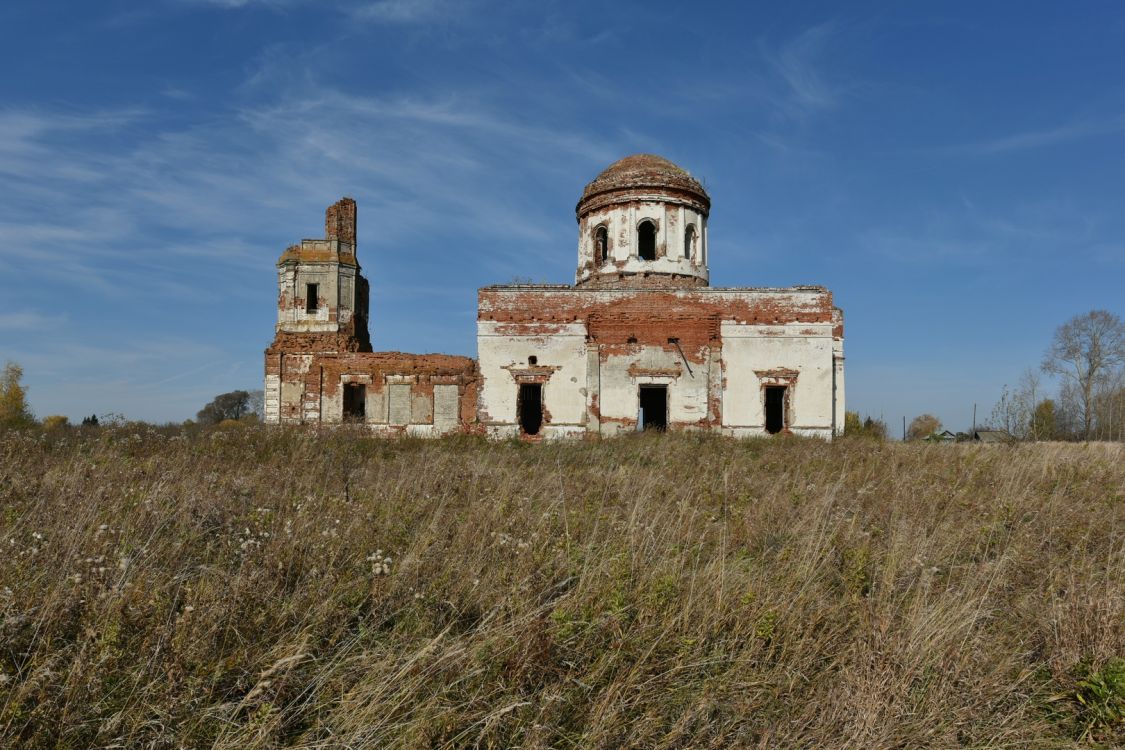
(775, 409)
(654, 407)
(355, 402)
(530, 408)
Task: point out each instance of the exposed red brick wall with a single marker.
(647, 308)
(314, 343)
(339, 221)
(619, 279)
(627, 323)
(638, 175)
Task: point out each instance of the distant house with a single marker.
(992, 436)
(945, 436)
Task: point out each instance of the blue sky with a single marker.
(954, 172)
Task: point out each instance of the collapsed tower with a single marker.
(320, 367)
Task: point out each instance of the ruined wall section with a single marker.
(798, 356)
(329, 268)
(713, 350)
(320, 368)
(552, 354)
(838, 369)
(417, 394)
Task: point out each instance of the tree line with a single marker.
(1087, 356)
(15, 412)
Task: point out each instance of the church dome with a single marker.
(642, 223)
(642, 173)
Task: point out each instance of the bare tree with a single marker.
(1109, 408)
(1084, 353)
(257, 404)
(1014, 411)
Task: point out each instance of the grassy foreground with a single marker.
(255, 589)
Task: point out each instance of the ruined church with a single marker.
(639, 341)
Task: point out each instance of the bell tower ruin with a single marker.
(320, 367)
(322, 297)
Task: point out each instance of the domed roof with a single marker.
(644, 171)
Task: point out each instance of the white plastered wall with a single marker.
(806, 349)
(503, 351)
(621, 377)
(622, 221)
(271, 400)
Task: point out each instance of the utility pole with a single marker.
(904, 429)
(974, 419)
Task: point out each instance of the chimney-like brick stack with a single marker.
(339, 221)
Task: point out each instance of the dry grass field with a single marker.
(248, 588)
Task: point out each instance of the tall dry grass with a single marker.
(256, 589)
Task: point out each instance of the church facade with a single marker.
(641, 340)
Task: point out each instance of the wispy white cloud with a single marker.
(799, 64)
(157, 210)
(30, 320)
(402, 11)
(377, 11)
(967, 236)
(1033, 139)
(231, 4)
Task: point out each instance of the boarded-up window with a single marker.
(399, 407)
(446, 408)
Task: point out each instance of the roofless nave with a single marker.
(640, 339)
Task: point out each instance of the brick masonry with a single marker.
(640, 326)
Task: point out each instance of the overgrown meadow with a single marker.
(252, 588)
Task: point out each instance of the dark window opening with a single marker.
(355, 402)
(530, 407)
(775, 409)
(689, 241)
(654, 407)
(631, 340)
(533, 360)
(646, 240)
(312, 298)
(601, 245)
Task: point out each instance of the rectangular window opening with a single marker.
(312, 298)
(775, 409)
(355, 402)
(654, 407)
(530, 407)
